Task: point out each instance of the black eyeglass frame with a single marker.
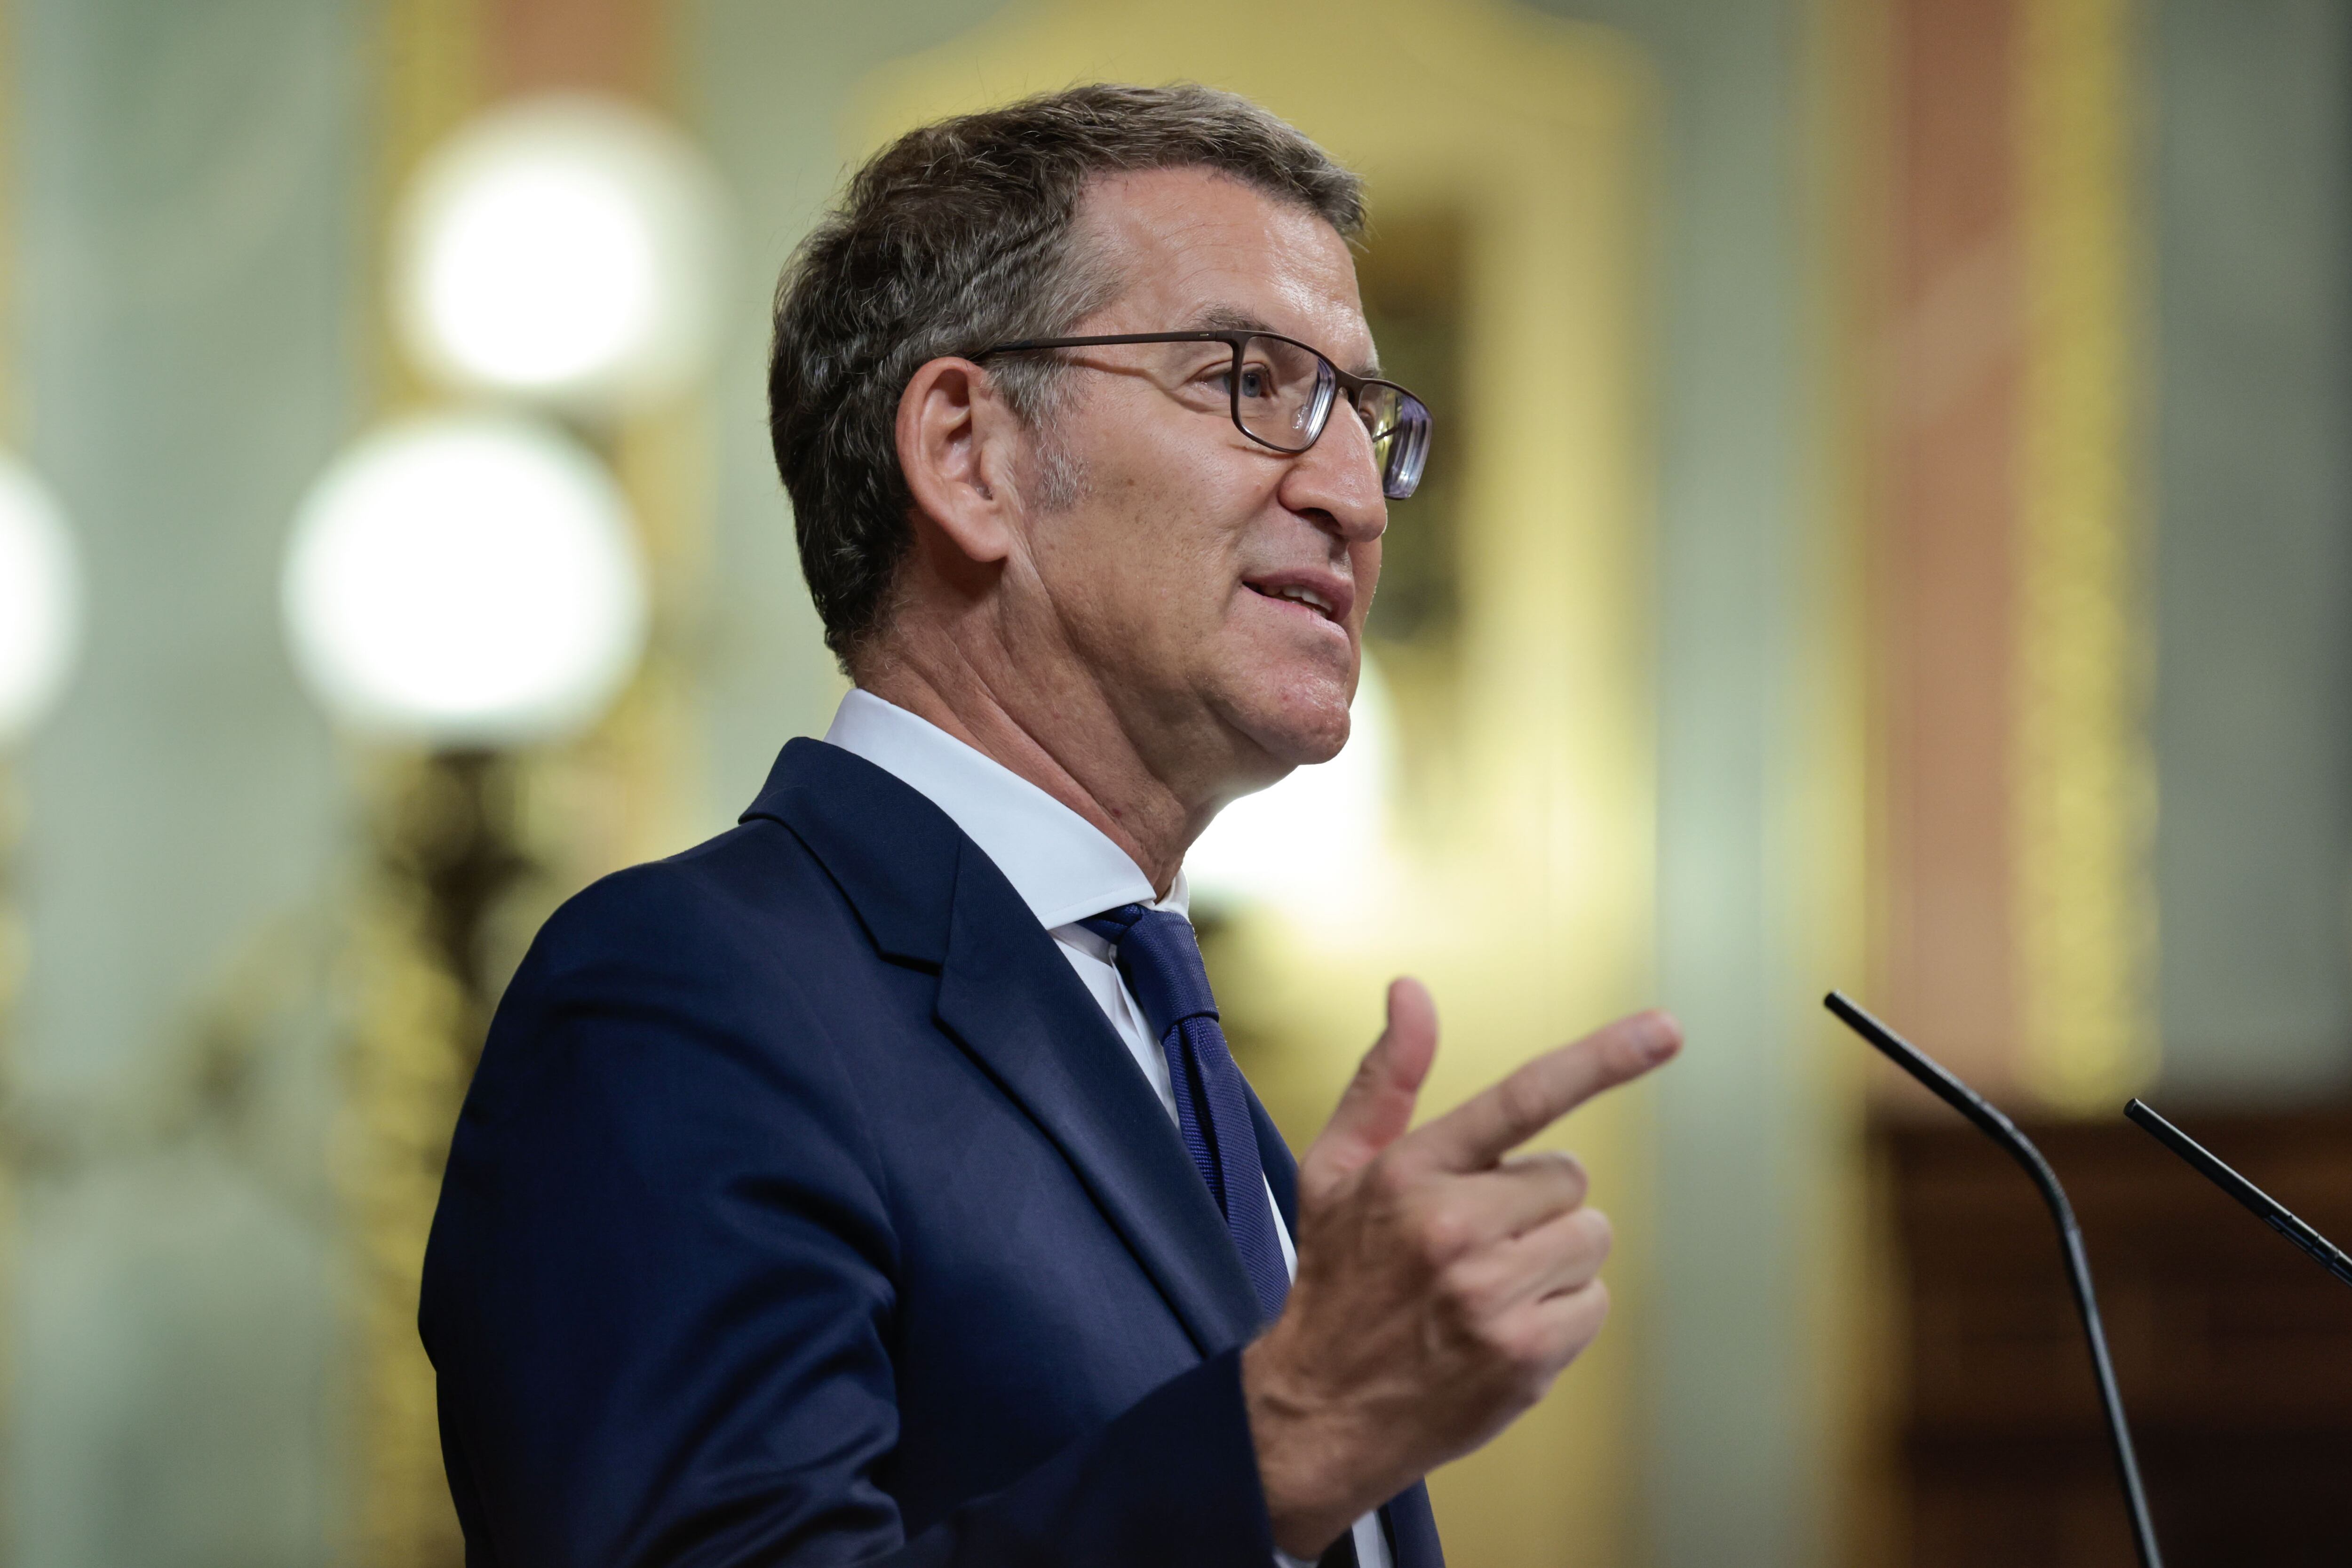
(1416, 453)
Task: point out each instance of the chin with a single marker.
(1301, 723)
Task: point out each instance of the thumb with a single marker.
(1377, 1105)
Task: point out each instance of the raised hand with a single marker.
(1443, 1283)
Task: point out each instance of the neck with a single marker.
(1059, 734)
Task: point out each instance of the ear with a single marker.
(957, 441)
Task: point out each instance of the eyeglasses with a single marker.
(1281, 394)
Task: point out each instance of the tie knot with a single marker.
(1160, 957)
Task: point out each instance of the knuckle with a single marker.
(1592, 1312)
(1561, 1333)
(1599, 1235)
(1582, 1312)
(1596, 1305)
(1389, 1180)
(1520, 1098)
(1563, 1170)
(1527, 1344)
(1446, 1233)
(1315, 1200)
(1469, 1295)
(1318, 1177)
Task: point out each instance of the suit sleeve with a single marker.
(659, 1295)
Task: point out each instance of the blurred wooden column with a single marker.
(413, 1034)
(2015, 898)
(614, 46)
(2011, 869)
(1953, 351)
(466, 846)
(2082, 770)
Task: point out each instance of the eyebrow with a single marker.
(1233, 319)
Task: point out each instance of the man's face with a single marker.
(1182, 570)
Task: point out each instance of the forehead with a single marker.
(1190, 247)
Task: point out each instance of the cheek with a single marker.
(1145, 566)
(1126, 578)
(1166, 522)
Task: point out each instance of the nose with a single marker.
(1337, 481)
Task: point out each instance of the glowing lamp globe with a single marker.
(563, 248)
(465, 580)
(40, 601)
(1316, 845)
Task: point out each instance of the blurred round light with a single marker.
(40, 601)
(563, 248)
(465, 580)
(1317, 842)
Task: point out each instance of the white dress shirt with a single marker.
(1065, 869)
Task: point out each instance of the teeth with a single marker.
(1305, 596)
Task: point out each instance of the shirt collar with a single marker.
(1064, 866)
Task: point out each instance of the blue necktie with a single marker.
(1162, 960)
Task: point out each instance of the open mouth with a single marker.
(1297, 593)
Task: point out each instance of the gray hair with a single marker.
(956, 236)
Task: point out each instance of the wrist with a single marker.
(1304, 1469)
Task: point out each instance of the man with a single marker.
(872, 1184)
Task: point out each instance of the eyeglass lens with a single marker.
(1399, 431)
(1283, 395)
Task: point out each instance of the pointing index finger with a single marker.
(1479, 1132)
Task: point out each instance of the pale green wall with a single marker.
(183, 226)
(2251, 189)
(1734, 1466)
(769, 87)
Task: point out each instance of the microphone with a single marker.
(2272, 1212)
(2003, 1132)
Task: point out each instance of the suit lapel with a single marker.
(1009, 996)
(928, 895)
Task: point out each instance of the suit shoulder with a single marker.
(739, 950)
(737, 888)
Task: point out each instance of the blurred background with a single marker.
(1891, 527)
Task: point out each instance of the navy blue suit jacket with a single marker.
(806, 1209)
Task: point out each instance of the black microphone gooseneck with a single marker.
(2003, 1132)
